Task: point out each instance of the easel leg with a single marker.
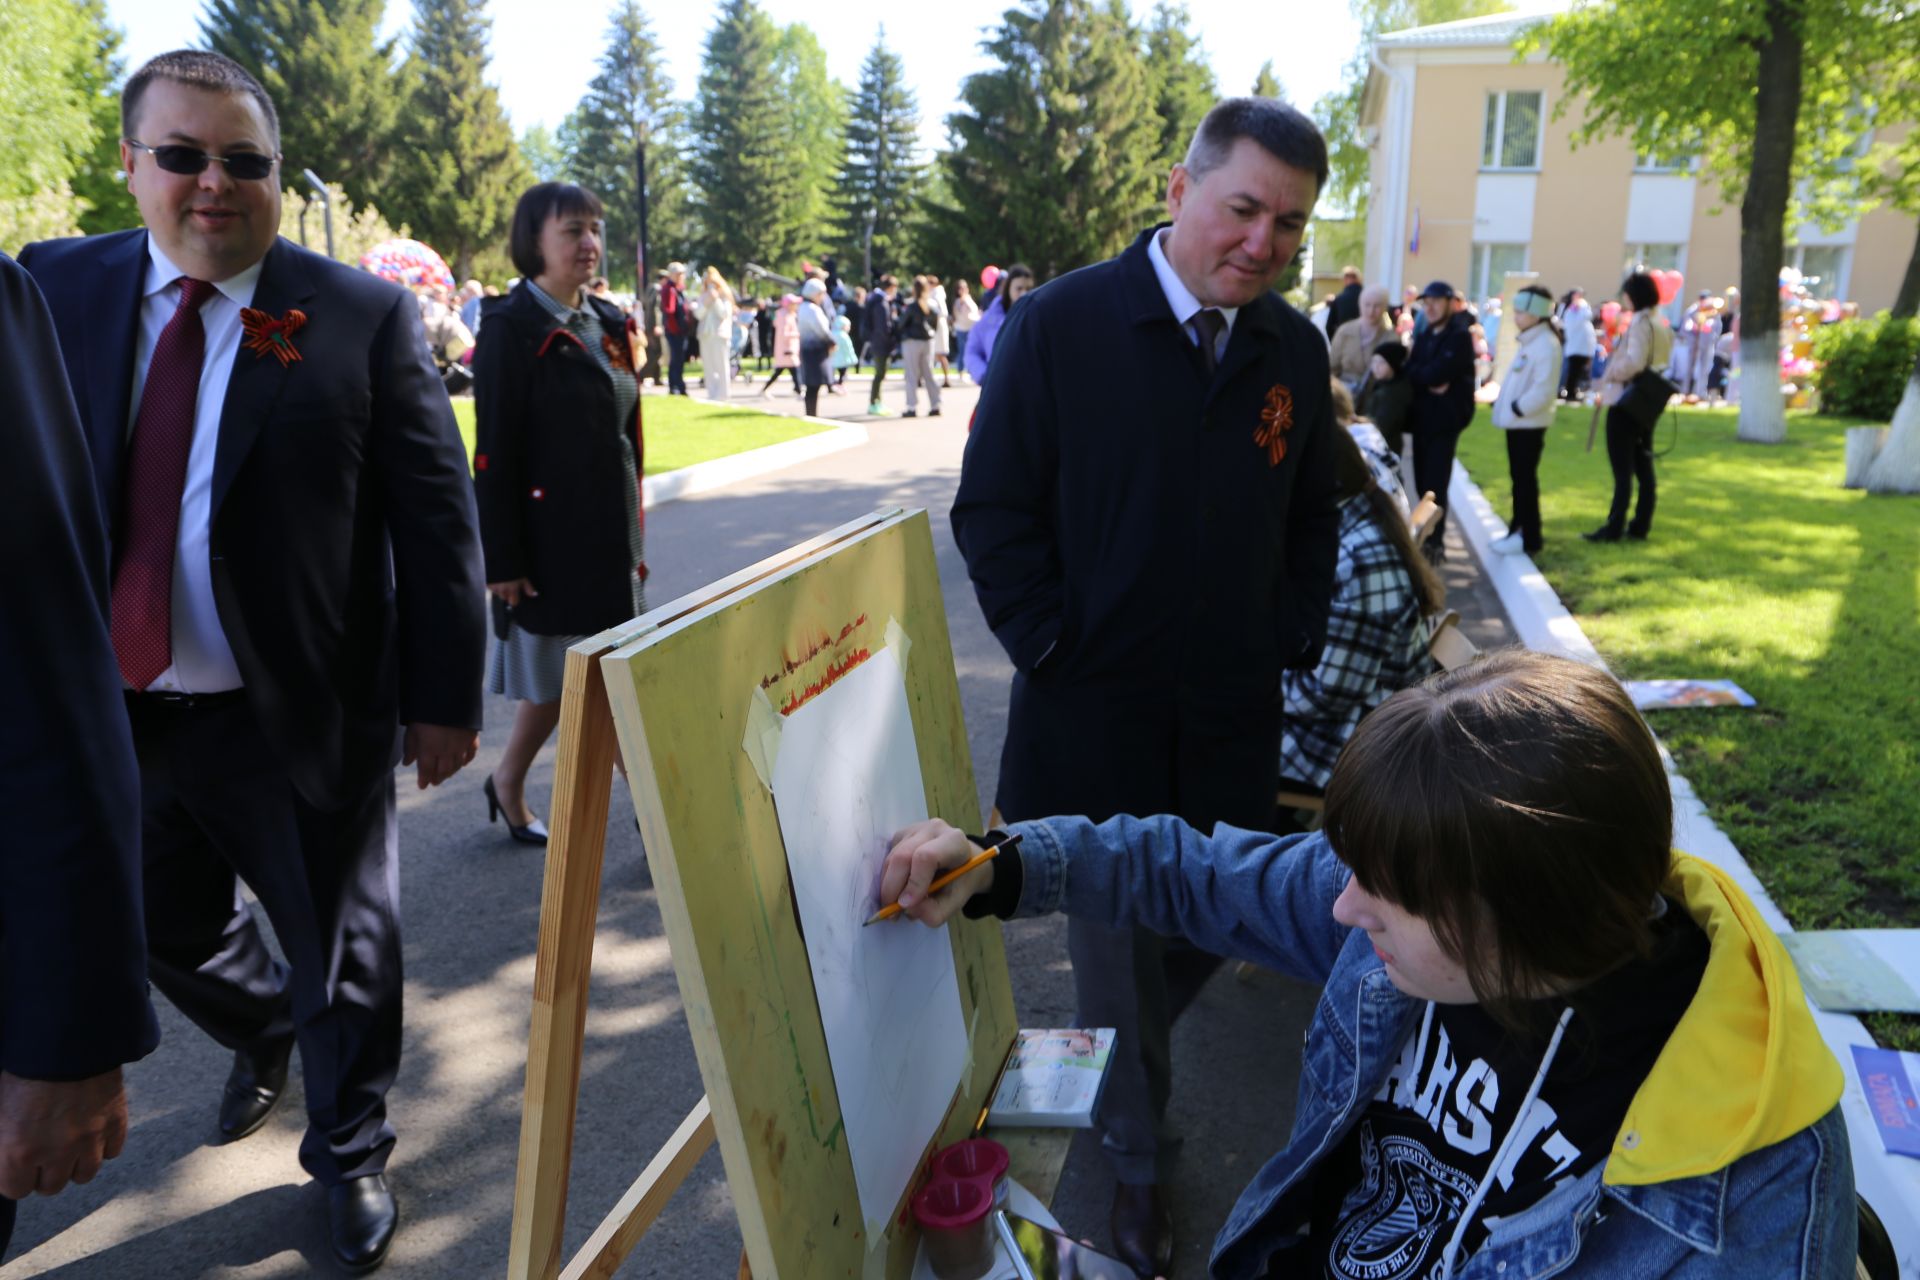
(569, 910)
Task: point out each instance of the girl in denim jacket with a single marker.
(1548, 1043)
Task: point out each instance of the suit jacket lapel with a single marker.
(113, 309)
(257, 378)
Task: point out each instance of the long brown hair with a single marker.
(1518, 806)
(1354, 478)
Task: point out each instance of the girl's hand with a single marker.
(919, 854)
(513, 592)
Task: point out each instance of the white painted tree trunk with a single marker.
(1763, 410)
(1897, 469)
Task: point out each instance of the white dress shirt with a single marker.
(1180, 298)
(202, 658)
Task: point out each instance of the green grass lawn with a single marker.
(1762, 570)
(681, 430)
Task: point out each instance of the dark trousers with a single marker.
(1630, 451)
(7, 1208)
(1524, 447)
(677, 364)
(879, 375)
(1433, 449)
(1576, 382)
(1148, 757)
(218, 809)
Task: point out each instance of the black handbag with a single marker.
(1646, 398)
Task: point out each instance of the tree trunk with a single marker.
(1906, 303)
(1763, 216)
(1897, 469)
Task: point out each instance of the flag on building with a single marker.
(1413, 245)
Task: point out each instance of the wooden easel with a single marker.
(570, 907)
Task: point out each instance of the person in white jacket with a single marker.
(1524, 411)
(1576, 317)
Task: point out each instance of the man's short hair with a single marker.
(889, 282)
(1282, 131)
(537, 204)
(198, 69)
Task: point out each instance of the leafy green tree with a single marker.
(1179, 81)
(881, 177)
(1737, 88)
(329, 74)
(1267, 84)
(99, 184)
(630, 99)
(814, 123)
(1052, 160)
(45, 60)
(745, 173)
(461, 170)
(546, 158)
(1338, 113)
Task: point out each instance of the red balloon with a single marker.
(989, 277)
(1669, 283)
(1608, 310)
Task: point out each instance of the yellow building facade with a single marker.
(1473, 176)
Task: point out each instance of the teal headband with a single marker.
(1534, 304)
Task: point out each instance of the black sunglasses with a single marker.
(249, 166)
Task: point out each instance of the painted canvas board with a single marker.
(846, 778)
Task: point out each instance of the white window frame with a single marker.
(1836, 288)
(1480, 286)
(1653, 162)
(1496, 114)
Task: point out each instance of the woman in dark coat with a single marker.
(557, 474)
(1441, 369)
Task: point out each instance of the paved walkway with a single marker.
(176, 1206)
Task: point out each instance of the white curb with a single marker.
(702, 476)
(1891, 1184)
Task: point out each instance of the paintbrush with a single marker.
(986, 855)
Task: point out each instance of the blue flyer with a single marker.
(1890, 1096)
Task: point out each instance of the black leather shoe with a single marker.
(535, 832)
(1636, 535)
(1142, 1225)
(253, 1089)
(1605, 533)
(361, 1216)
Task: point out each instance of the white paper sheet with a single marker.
(846, 778)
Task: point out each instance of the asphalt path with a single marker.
(178, 1205)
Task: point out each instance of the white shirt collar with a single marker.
(161, 272)
(1179, 297)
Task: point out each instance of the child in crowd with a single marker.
(1548, 1044)
(844, 356)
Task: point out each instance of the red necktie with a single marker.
(142, 622)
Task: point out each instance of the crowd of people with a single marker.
(1202, 573)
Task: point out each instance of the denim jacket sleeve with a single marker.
(1244, 894)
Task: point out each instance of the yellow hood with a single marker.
(1745, 1067)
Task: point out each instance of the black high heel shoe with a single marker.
(535, 832)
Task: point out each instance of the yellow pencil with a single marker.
(980, 859)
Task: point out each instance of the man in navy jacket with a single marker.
(1440, 369)
(1153, 544)
(297, 605)
(73, 958)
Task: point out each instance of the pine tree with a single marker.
(631, 99)
(462, 171)
(1179, 79)
(1267, 84)
(744, 172)
(881, 178)
(97, 180)
(329, 75)
(1053, 157)
(545, 157)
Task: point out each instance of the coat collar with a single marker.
(285, 282)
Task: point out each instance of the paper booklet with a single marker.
(1052, 1078)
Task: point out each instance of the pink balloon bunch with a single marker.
(989, 277)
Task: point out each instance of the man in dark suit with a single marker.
(296, 576)
(73, 955)
(1152, 550)
(1346, 304)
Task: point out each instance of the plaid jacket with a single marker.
(1376, 646)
